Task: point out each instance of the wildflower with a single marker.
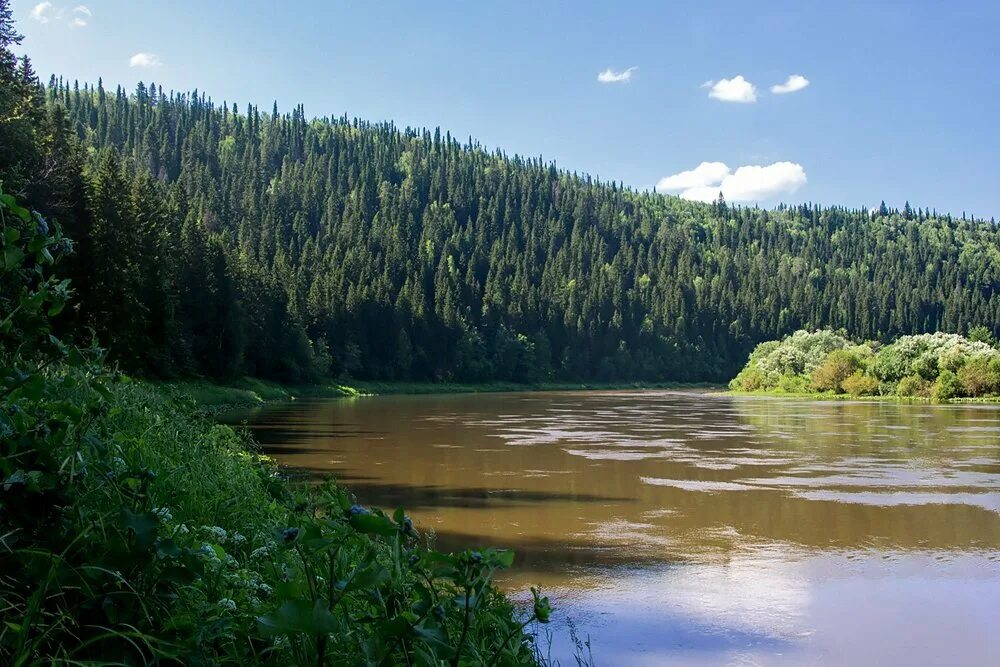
(207, 553)
(182, 529)
(164, 514)
(264, 589)
(260, 552)
(227, 604)
(238, 538)
(218, 534)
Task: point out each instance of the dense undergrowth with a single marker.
(133, 531)
(938, 366)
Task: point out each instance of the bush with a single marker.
(980, 375)
(793, 384)
(837, 367)
(861, 384)
(913, 385)
(946, 387)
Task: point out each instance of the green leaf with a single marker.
(12, 256)
(373, 524)
(370, 577)
(298, 617)
(144, 525)
(504, 558)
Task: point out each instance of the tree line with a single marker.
(219, 241)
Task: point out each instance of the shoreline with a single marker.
(925, 400)
(215, 397)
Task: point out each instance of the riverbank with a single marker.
(175, 531)
(215, 397)
(827, 396)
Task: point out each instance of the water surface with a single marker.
(686, 528)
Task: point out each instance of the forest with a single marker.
(217, 240)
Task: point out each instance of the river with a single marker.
(695, 529)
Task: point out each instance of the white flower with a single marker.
(207, 553)
(227, 604)
(260, 552)
(164, 514)
(238, 538)
(218, 534)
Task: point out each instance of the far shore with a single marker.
(247, 392)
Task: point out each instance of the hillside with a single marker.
(220, 241)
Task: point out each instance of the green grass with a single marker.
(246, 392)
(177, 542)
(214, 397)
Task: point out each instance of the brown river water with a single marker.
(695, 529)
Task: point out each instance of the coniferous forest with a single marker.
(219, 240)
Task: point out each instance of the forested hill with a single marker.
(220, 241)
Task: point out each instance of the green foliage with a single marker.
(982, 334)
(939, 366)
(980, 375)
(946, 387)
(132, 532)
(838, 366)
(860, 384)
(913, 385)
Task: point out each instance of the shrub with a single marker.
(751, 379)
(912, 385)
(946, 387)
(982, 334)
(860, 384)
(793, 384)
(831, 373)
(980, 375)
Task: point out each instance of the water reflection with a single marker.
(704, 528)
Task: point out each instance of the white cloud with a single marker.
(42, 12)
(736, 89)
(78, 17)
(144, 59)
(704, 174)
(747, 183)
(611, 76)
(794, 82)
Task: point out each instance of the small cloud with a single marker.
(144, 59)
(736, 89)
(704, 174)
(794, 82)
(747, 183)
(611, 76)
(42, 12)
(78, 17)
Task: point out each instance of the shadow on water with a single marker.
(416, 497)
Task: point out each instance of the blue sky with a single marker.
(902, 100)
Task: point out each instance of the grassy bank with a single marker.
(180, 543)
(890, 398)
(214, 397)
